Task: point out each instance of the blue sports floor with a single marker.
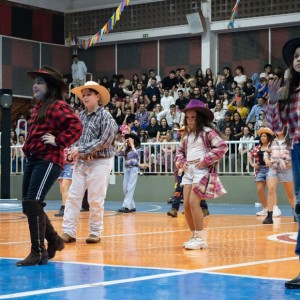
(77, 280)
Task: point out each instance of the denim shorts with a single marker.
(281, 175)
(262, 174)
(67, 172)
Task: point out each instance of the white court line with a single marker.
(151, 277)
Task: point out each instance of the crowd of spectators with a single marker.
(152, 106)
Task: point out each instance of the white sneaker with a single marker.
(263, 212)
(187, 242)
(276, 211)
(196, 244)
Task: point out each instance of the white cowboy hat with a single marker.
(101, 90)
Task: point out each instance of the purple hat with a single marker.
(201, 107)
(288, 50)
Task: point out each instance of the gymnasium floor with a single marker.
(141, 256)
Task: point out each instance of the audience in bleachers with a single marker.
(151, 106)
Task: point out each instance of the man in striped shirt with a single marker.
(94, 153)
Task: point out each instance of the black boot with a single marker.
(269, 218)
(294, 283)
(55, 242)
(37, 226)
(61, 212)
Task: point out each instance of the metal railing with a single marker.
(158, 158)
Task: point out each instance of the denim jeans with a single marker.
(296, 174)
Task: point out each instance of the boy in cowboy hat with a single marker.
(95, 154)
(284, 110)
(53, 127)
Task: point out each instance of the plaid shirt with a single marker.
(280, 115)
(99, 129)
(254, 155)
(62, 122)
(216, 145)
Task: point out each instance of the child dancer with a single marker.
(194, 157)
(278, 159)
(131, 150)
(284, 109)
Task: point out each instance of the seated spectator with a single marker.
(166, 157)
(237, 105)
(226, 100)
(237, 126)
(209, 76)
(157, 109)
(245, 147)
(267, 72)
(196, 94)
(226, 122)
(253, 116)
(262, 88)
(228, 75)
(136, 126)
(143, 135)
(211, 98)
(182, 101)
(230, 154)
(125, 104)
(169, 82)
(154, 101)
(144, 80)
(152, 128)
(139, 91)
(163, 128)
(166, 100)
(240, 78)
(141, 100)
(199, 77)
(222, 87)
(249, 92)
(262, 122)
(232, 89)
(128, 117)
(152, 90)
(143, 116)
(219, 112)
(172, 116)
(152, 75)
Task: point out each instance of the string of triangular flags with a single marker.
(234, 14)
(85, 43)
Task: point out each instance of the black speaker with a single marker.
(196, 23)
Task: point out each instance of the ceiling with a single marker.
(68, 6)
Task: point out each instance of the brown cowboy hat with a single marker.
(102, 91)
(288, 50)
(49, 74)
(265, 130)
(201, 107)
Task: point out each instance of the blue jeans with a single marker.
(296, 174)
(39, 176)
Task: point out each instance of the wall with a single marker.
(240, 189)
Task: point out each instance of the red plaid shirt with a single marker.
(279, 115)
(62, 122)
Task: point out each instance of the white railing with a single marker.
(158, 158)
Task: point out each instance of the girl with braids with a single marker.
(201, 146)
(284, 110)
(278, 159)
(131, 150)
(53, 127)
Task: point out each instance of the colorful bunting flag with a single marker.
(234, 14)
(83, 43)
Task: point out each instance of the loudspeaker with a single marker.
(196, 22)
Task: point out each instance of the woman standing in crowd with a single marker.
(284, 109)
(54, 126)
(131, 151)
(199, 148)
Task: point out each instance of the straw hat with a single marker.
(49, 74)
(265, 130)
(102, 91)
(201, 107)
(288, 50)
